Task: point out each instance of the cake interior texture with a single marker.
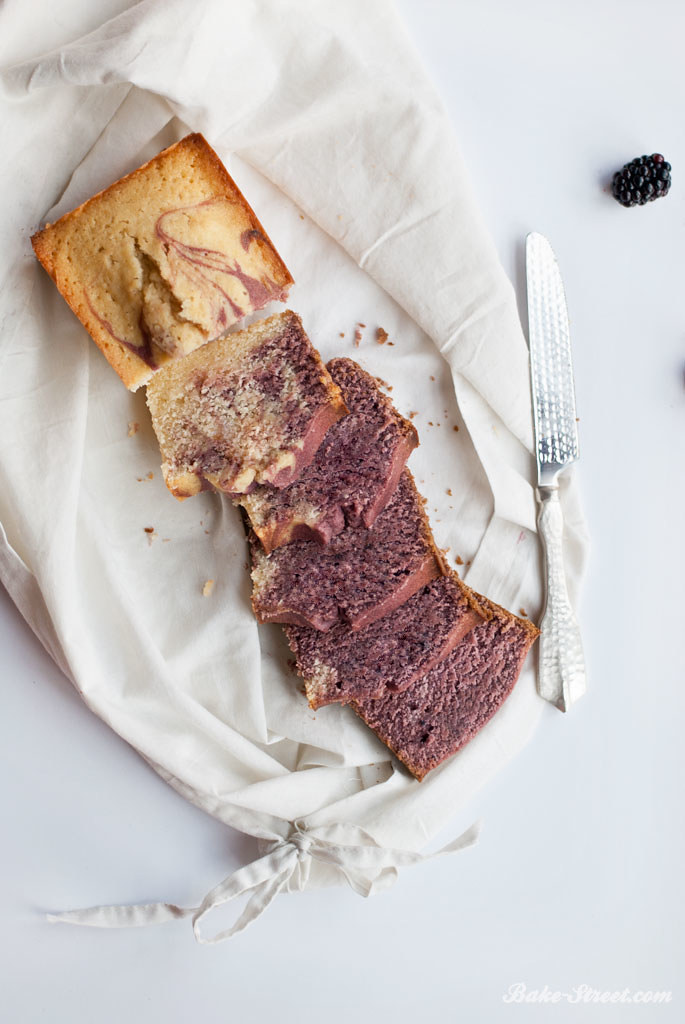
(360, 576)
(163, 260)
(386, 657)
(352, 476)
(248, 408)
(445, 708)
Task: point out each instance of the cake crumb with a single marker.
(391, 343)
(342, 334)
(133, 428)
(151, 533)
(523, 612)
(430, 423)
(413, 413)
(357, 336)
(459, 560)
(381, 336)
(208, 588)
(361, 324)
(449, 491)
(301, 216)
(150, 476)
(455, 427)
(432, 377)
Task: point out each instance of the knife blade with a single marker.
(561, 665)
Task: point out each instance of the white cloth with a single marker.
(286, 864)
(327, 121)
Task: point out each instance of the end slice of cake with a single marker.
(352, 476)
(362, 575)
(444, 709)
(163, 261)
(250, 408)
(389, 655)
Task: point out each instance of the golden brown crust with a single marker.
(426, 529)
(504, 615)
(147, 294)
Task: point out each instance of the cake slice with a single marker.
(163, 260)
(251, 408)
(362, 575)
(389, 655)
(352, 475)
(445, 708)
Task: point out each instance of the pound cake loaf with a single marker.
(389, 655)
(352, 475)
(362, 575)
(446, 707)
(251, 408)
(163, 261)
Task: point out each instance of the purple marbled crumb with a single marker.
(291, 350)
(359, 577)
(197, 261)
(445, 708)
(248, 236)
(257, 292)
(143, 351)
(354, 471)
(390, 654)
(286, 372)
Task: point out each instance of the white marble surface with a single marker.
(577, 877)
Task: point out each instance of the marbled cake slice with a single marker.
(352, 475)
(360, 576)
(163, 261)
(251, 408)
(445, 708)
(342, 665)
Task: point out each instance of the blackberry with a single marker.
(642, 180)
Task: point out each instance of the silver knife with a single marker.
(561, 668)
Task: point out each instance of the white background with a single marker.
(577, 878)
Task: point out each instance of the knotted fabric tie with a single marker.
(367, 867)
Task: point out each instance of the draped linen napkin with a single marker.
(325, 117)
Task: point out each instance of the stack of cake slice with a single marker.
(374, 617)
(158, 267)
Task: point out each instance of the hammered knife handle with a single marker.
(561, 670)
